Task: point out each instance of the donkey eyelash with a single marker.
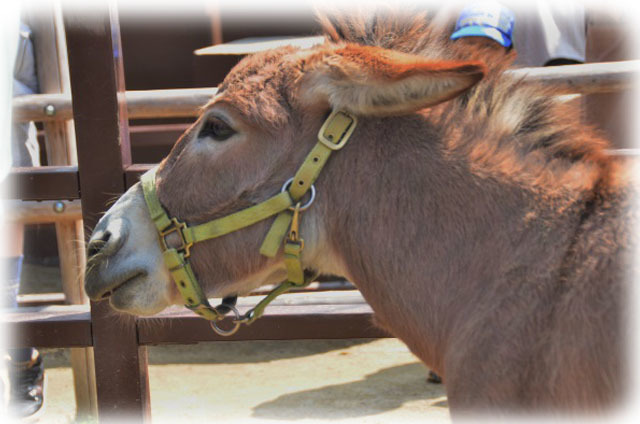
(216, 128)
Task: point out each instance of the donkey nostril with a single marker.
(96, 245)
(93, 249)
(107, 239)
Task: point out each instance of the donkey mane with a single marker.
(410, 31)
(503, 126)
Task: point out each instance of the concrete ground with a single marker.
(345, 381)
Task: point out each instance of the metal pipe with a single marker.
(571, 79)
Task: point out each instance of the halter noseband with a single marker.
(286, 205)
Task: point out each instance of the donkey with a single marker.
(487, 228)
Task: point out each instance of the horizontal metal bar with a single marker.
(168, 103)
(588, 78)
(632, 152)
(184, 102)
(40, 212)
(43, 183)
(42, 107)
(584, 79)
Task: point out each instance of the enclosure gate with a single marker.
(105, 170)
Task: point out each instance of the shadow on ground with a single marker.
(246, 352)
(385, 390)
(241, 352)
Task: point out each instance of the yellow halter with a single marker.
(287, 205)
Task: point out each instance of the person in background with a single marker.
(24, 365)
(543, 33)
(487, 24)
(551, 33)
(572, 32)
(487, 27)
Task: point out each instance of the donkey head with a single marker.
(249, 140)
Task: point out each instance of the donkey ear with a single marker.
(369, 80)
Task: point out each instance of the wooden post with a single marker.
(50, 52)
(97, 85)
(213, 9)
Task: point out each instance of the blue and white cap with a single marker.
(486, 19)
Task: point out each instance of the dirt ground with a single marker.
(344, 381)
(306, 381)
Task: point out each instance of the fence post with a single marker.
(53, 77)
(97, 86)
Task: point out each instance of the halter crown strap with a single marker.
(333, 135)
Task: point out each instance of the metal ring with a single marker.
(226, 333)
(304, 207)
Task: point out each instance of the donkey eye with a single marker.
(216, 128)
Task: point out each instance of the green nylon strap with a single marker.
(217, 227)
(258, 310)
(333, 135)
(179, 267)
(272, 242)
(158, 215)
(302, 181)
(309, 171)
(238, 220)
(186, 282)
(295, 271)
(295, 278)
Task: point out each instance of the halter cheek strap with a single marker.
(286, 205)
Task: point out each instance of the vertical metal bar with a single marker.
(103, 150)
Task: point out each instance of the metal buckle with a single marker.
(294, 230)
(337, 129)
(179, 227)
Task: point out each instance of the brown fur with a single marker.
(489, 232)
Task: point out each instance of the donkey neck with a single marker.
(422, 236)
